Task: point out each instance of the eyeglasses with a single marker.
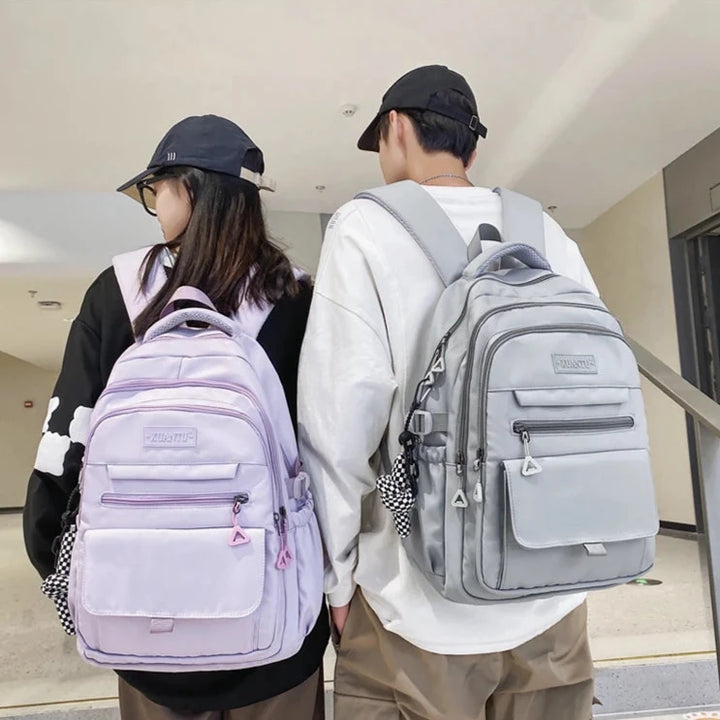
(147, 196)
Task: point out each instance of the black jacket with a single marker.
(98, 336)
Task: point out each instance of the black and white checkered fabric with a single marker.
(397, 496)
(56, 585)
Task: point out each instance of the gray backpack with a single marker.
(525, 469)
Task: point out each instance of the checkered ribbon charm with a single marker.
(397, 496)
(56, 585)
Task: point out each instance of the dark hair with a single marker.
(437, 133)
(225, 250)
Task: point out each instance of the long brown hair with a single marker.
(225, 251)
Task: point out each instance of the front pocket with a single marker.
(580, 519)
(584, 425)
(175, 593)
(568, 435)
(173, 500)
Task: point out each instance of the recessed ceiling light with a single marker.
(49, 305)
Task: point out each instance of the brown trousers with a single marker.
(304, 702)
(380, 676)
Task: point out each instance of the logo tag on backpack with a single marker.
(169, 437)
(575, 365)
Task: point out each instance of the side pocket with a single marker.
(426, 543)
(306, 546)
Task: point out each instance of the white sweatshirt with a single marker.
(374, 295)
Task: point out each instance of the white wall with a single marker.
(627, 252)
(20, 428)
(300, 234)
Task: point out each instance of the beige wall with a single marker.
(20, 428)
(626, 250)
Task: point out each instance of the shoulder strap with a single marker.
(428, 224)
(127, 268)
(522, 219)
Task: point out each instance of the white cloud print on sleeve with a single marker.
(80, 425)
(54, 446)
(51, 453)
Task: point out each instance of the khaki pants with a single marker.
(304, 702)
(380, 676)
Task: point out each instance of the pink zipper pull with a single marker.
(284, 556)
(237, 535)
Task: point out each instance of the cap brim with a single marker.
(130, 184)
(369, 139)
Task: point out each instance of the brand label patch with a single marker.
(575, 364)
(169, 437)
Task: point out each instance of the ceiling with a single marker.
(607, 91)
(584, 101)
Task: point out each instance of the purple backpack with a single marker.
(197, 546)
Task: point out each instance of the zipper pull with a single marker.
(237, 535)
(284, 556)
(460, 499)
(479, 459)
(460, 462)
(478, 496)
(530, 465)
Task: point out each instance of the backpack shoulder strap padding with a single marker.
(522, 222)
(128, 267)
(522, 219)
(428, 224)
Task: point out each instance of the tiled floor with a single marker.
(40, 666)
(675, 618)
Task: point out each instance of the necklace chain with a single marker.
(445, 175)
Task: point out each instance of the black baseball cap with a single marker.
(206, 142)
(417, 90)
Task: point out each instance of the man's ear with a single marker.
(405, 130)
(394, 128)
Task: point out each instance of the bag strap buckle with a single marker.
(421, 423)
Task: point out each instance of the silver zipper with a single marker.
(162, 499)
(554, 427)
(543, 329)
